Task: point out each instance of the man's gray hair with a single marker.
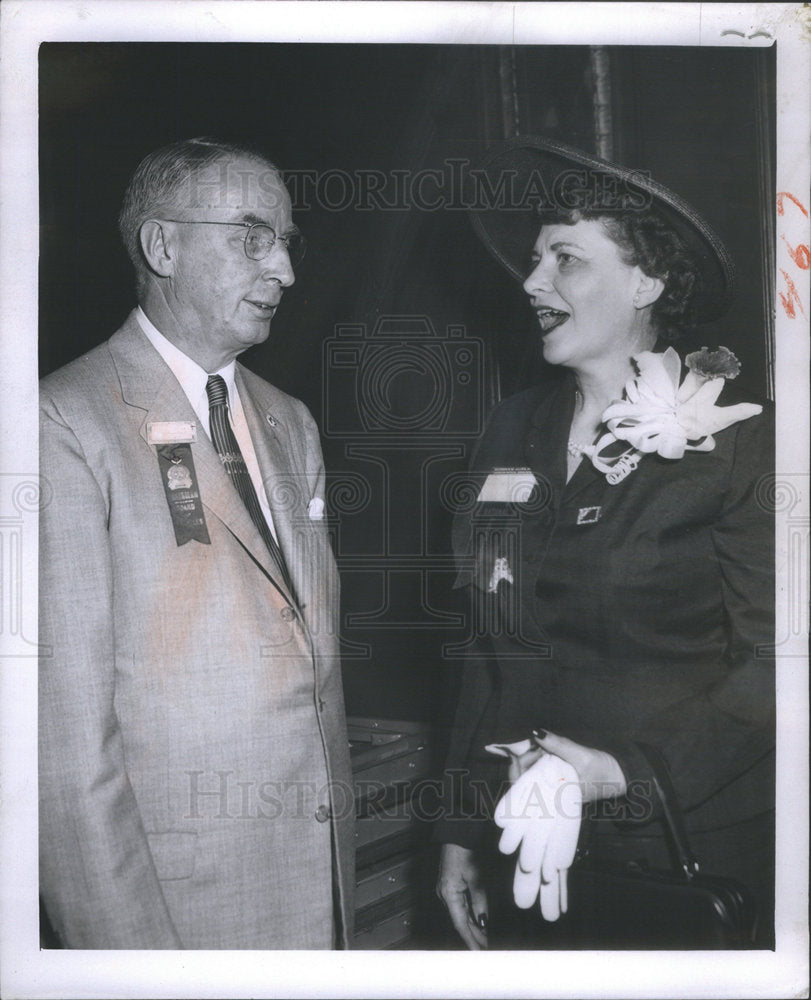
(163, 182)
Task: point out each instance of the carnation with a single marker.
(720, 363)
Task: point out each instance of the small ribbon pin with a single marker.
(501, 571)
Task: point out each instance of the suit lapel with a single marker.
(284, 484)
(585, 475)
(148, 384)
(548, 440)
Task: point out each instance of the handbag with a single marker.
(631, 906)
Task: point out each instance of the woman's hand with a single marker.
(522, 756)
(600, 775)
(459, 886)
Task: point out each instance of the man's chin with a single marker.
(259, 326)
(258, 336)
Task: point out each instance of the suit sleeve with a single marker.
(468, 775)
(471, 776)
(717, 736)
(97, 877)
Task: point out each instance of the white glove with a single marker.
(562, 844)
(540, 816)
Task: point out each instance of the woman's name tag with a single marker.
(507, 486)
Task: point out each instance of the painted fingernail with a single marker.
(540, 734)
(481, 920)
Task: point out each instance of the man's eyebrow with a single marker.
(253, 219)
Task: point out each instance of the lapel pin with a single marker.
(271, 420)
(501, 571)
(589, 515)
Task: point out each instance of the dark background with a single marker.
(697, 119)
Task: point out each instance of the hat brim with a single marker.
(524, 176)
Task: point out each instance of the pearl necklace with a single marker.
(576, 448)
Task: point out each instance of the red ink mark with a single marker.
(786, 194)
(792, 297)
(799, 254)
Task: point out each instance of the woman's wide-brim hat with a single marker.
(525, 177)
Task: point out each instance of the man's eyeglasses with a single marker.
(260, 239)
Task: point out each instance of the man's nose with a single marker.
(277, 266)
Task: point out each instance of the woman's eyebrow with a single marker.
(566, 243)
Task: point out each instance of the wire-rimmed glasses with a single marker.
(260, 238)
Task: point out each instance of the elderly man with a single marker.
(194, 772)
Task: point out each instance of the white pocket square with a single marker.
(316, 509)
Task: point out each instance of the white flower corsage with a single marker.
(660, 415)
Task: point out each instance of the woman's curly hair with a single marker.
(647, 241)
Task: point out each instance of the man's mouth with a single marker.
(550, 318)
(266, 308)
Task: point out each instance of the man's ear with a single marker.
(648, 290)
(158, 246)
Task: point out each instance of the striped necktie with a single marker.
(228, 449)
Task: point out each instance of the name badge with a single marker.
(171, 432)
(507, 486)
(182, 493)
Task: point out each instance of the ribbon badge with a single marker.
(178, 477)
(182, 492)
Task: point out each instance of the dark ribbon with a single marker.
(182, 493)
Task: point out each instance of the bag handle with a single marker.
(674, 818)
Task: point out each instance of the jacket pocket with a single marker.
(173, 854)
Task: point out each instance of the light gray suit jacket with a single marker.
(195, 789)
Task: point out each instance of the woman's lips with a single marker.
(549, 319)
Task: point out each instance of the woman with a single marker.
(619, 561)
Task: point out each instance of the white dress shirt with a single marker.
(192, 379)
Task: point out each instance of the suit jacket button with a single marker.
(288, 614)
(322, 814)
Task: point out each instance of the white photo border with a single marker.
(28, 972)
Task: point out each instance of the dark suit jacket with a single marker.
(641, 611)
